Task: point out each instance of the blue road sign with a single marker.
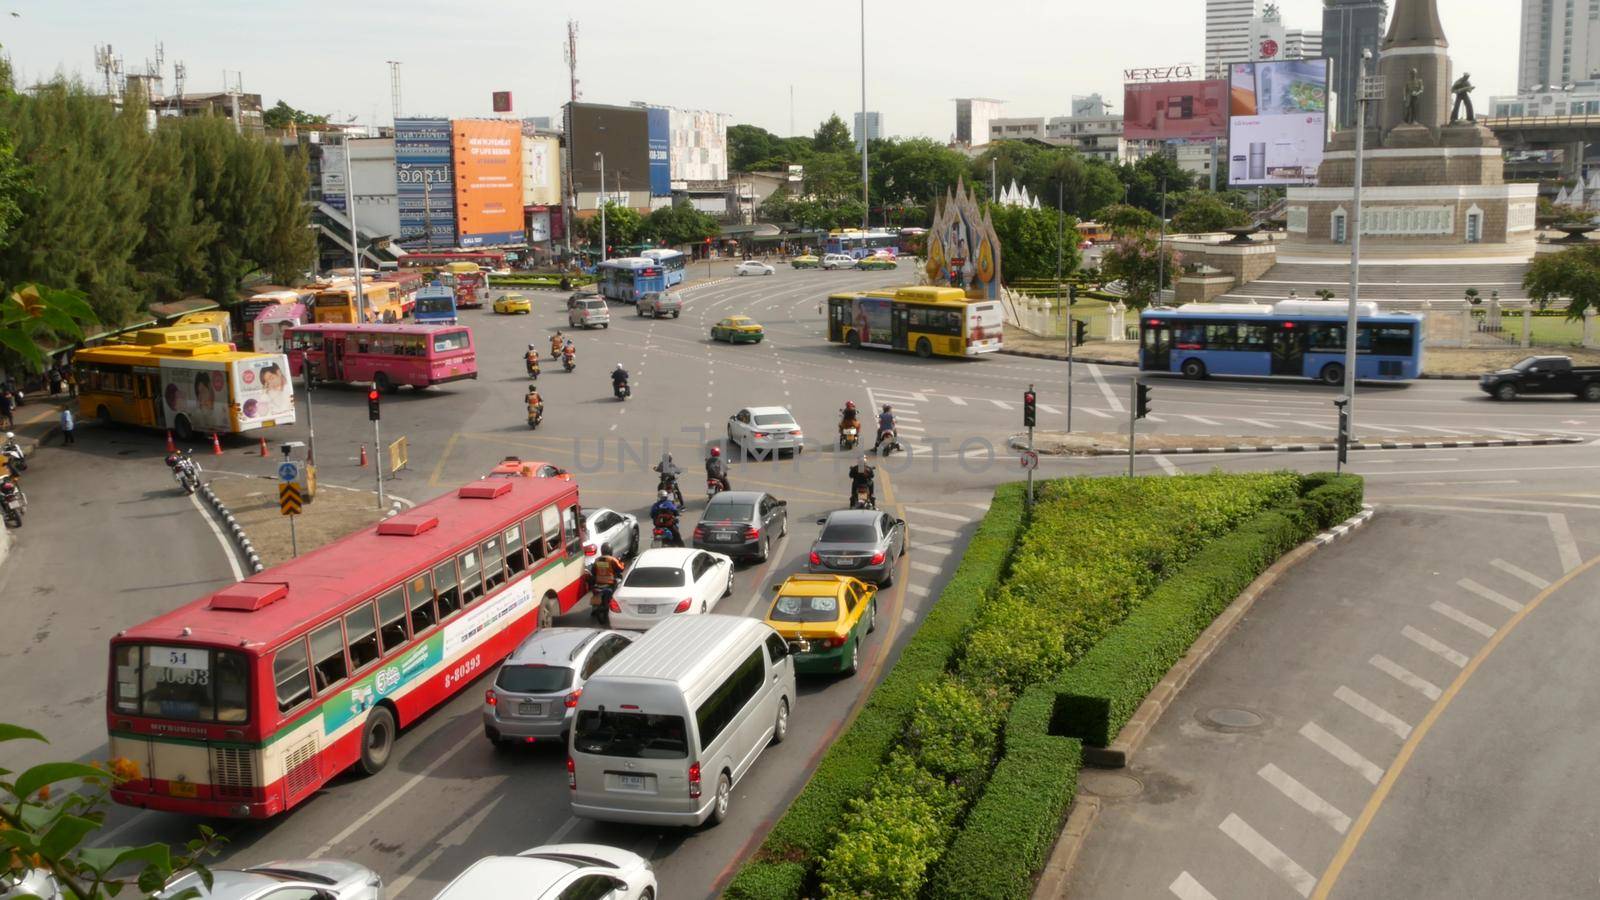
(288, 471)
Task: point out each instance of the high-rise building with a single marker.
(1560, 44)
(1088, 105)
(1350, 27)
(1228, 33)
(973, 115)
(1301, 44)
(873, 129)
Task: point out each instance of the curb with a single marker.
(1449, 377)
(235, 530)
(1017, 443)
(1061, 357)
(1052, 882)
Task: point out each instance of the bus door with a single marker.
(333, 356)
(899, 318)
(1155, 345)
(147, 392)
(1288, 345)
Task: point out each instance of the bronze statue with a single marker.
(1414, 89)
(1463, 91)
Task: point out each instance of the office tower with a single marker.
(1348, 28)
(1560, 44)
(873, 129)
(973, 115)
(1228, 33)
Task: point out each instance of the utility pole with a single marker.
(427, 207)
(394, 85)
(866, 203)
(355, 239)
(1061, 237)
(1370, 89)
(571, 207)
(600, 200)
(1133, 416)
(311, 427)
(1161, 248)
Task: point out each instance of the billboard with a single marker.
(621, 134)
(1278, 121)
(423, 173)
(659, 121)
(541, 170)
(1175, 110)
(488, 181)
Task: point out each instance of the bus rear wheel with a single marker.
(1194, 369)
(1333, 374)
(180, 427)
(924, 349)
(377, 740)
(382, 383)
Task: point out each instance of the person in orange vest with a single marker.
(607, 568)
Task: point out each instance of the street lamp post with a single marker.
(866, 204)
(601, 202)
(1367, 93)
(355, 240)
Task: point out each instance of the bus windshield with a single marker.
(450, 340)
(192, 684)
(435, 304)
(630, 734)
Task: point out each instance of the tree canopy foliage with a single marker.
(282, 115)
(1029, 239)
(1203, 211)
(1573, 275)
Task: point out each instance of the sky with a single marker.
(742, 59)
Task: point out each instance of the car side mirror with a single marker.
(783, 503)
(777, 587)
(899, 521)
(822, 521)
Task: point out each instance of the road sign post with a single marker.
(1133, 416)
(1029, 401)
(289, 503)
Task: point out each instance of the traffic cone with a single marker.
(172, 446)
(363, 456)
(216, 444)
(263, 446)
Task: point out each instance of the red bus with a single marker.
(244, 702)
(489, 259)
(385, 355)
(406, 285)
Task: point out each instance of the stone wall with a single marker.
(1200, 288)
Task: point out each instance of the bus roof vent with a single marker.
(249, 596)
(484, 489)
(408, 525)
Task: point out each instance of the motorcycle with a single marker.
(533, 367)
(12, 451)
(888, 442)
(535, 415)
(620, 390)
(569, 363)
(863, 498)
(848, 436)
(661, 534)
(185, 471)
(555, 350)
(713, 487)
(669, 483)
(13, 502)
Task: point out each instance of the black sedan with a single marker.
(742, 524)
(865, 543)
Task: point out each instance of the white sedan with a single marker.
(607, 526)
(668, 581)
(753, 267)
(762, 430)
(839, 261)
(557, 871)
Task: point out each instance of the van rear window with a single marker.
(630, 734)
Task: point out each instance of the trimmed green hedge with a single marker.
(538, 280)
(850, 766)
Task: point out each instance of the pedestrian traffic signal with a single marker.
(1141, 406)
(1080, 332)
(1029, 413)
(372, 403)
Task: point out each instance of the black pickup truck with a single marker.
(1543, 375)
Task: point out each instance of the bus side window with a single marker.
(552, 531)
(447, 589)
(419, 596)
(327, 655)
(569, 527)
(515, 561)
(494, 566)
(361, 630)
(392, 615)
(292, 675)
(535, 533)
(471, 577)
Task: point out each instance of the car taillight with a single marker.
(694, 779)
(877, 558)
(590, 550)
(816, 558)
(699, 531)
(490, 698)
(615, 606)
(751, 534)
(572, 774)
(572, 699)
(759, 435)
(836, 642)
(796, 434)
(683, 605)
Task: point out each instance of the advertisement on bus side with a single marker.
(361, 696)
(871, 319)
(197, 391)
(262, 389)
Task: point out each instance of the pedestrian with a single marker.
(72, 384)
(606, 570)
(7, 404)
(68, 426)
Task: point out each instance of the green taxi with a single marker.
(738, 330)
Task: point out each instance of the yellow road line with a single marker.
(1330, 876)
(438, 467)
(892, 631)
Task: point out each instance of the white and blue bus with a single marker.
(859, 244)
(627, 278)
(436, 305)
(672, 263)
(1293, 338)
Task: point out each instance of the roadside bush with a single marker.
(953, 732)
(889, 839)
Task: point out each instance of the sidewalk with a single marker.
(1017, 342)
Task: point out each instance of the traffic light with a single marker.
(372, 404)
(1029, 413)
(1141, 406)
(1080, 332)
(1343, 404)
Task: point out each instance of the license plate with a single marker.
(837, 561)
(631, 782)
(530, 709)
(647, 609)
(722, 535)
(183, 789)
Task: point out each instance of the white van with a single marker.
(668, 726)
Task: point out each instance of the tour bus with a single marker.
(672, 263)
(248, 700)
(1296, 338)
(406, 285)
(1093, 232)
(857, 243)
(628, 278)
(246, 314)
(217, 321)
(433, 261)
(269, 325)
(436, 305)
(467, 279)
(179, 378)
(928, 321)
(337, 303)
(385, 355)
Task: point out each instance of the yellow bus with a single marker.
(927, 321)
(217, 321)
(179, 378)
(337, 303)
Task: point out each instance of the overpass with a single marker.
(1566, 133)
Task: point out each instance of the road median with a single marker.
(253, 502)
(1061, 443)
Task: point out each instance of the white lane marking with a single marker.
(984, 507)
(228, 550)
(1365, 425)
(1094, 412)
(1259, 423)
(1565, 545)
(1451, 483)
(1489, 594)
(1165, 464)
(1518, 572)
(957, 400)
(1312, 425)
(1428, 643)
(1305, 798)
(1202, 419)
(924, 511)
(1341, 751)
(1002, 404)
(366, 817)
(1050, 409)
(1461, 618)
(941, 532)
(926, 568)
(1156, 419)
(903, 426)
(108, 838)
(934, 548)
(456, 837)
(1185, 887)
(563, 831)
(1405, 676)
(918, 589)
(1373, 711)
(1111, 397)
(1268, 855)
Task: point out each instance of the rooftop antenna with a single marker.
(179, 72)
(394, 86)
(106, 63)
(572, 57)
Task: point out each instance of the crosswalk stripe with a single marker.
(934, 548)
(918, 589)
(1000, 403)
(904, 427)
(1268, 854)
(1373, 711)
(1202, 419)
(926, 568)
(1185, 887)
(1094, 412)
(941, 532)
(1517, 572)
(1405, 676)
(1461, 618)
(923, 511)
(957, 401)
(1305, 798)
(1434, 646)
(1341, 751)
(1050, 409)
(1489, 594)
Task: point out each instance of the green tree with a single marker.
(833, 136)
(915, 171)
(624, 226)
(1144, 179)
(14, 184)
(678, 224)
(282, 115)
(34, 315)
(833, 176)
(1203, 211)
(1123, 219)
(1572, 274)
(1028, 242)
(1136, 260)
(778, 207)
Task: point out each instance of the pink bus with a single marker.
(385, 355)
(271, 322)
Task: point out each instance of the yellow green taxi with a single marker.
(738, 330)
(877, 262)
(826, 617)
(509, 304)
(805, 261)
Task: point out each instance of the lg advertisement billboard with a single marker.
(422, 168)
(622, 134)
(488, 167)
(1175, 110)
(1278, 123)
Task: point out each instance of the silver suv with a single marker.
(535, 693)
(589, 313)
(660, 303)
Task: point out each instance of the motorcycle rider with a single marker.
(619, 379)
(848, 418)
(535, 402)
(532, 359)
(717, 469)
(12, 452)
(569, 354)
(669, 472)
(556, 342)
(664, 514)
(885, 425)
(862, 474)
(606, 570)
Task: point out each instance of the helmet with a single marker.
(716, 451)
(887, 407)
(863, 459)
(172, 460)
(619, 365)
(10, 435)
(605, 549)
(530, 346)
(849, 404)
(661, 495)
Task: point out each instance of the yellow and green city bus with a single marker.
(927, 321)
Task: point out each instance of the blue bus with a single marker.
(1293, 338)
(859, 244)
(627, 278)
(436, 305)
(672, 263)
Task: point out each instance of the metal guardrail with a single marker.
(1513, 123)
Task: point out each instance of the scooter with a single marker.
(669, 484)
(535, 416)
(713, 487)
(863, 499)
(185, 471)
(569, 363)
(620, 390)
(13, 502)
(888, 442)
(12, 451)
(533, 367)
(661, 536)
(848, 437)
